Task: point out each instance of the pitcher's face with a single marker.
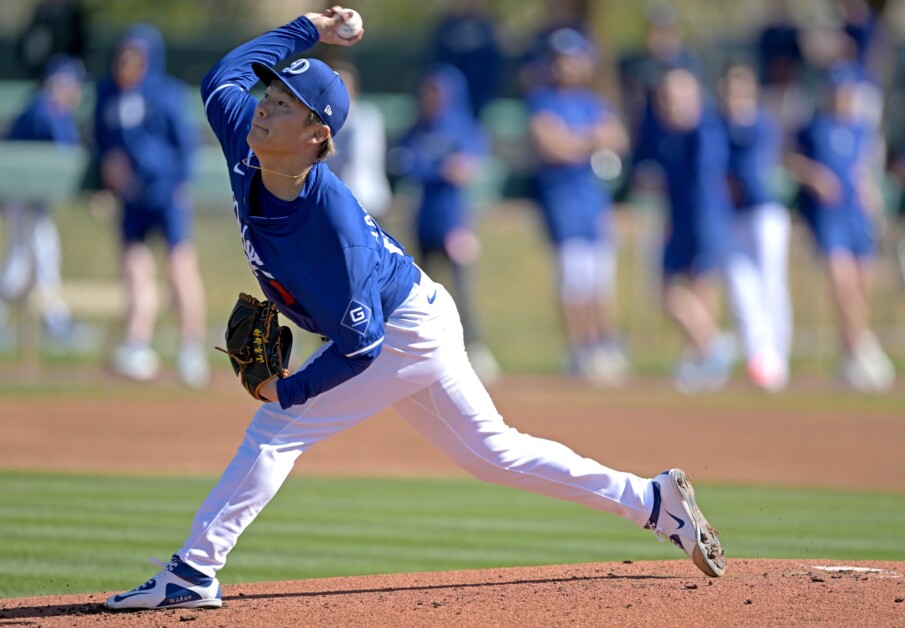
(280, 122)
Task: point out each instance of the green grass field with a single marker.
(83, 533)
(79, 533)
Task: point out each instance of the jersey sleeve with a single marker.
(227, 104)
(350, 314)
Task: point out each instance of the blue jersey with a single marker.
(840, 146)
(753, 155)
(571, 196)
(323, 261)
(694, 164)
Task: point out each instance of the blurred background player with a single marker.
(782, 68)
(558, 14)
(834, 164)
(443, 153)
(145, 142)
(360, 159)
(34, 255)
(466, 38)
(685, 138)
(569, 124)
(757, 270)
(663, 48)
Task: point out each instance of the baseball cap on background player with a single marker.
(569, 42)
(315, 84)
(64, 66)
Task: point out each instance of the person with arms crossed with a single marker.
(394, 336)
(569, 124)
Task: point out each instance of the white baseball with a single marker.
(350, 28)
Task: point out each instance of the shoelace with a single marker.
(661, 536)
(168, 565)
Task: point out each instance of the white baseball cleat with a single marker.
(675, 516)
(193, 368)
(176, 586)
(137, 362)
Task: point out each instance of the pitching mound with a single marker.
(753, 593)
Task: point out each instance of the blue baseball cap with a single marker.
(568, 42)
(315, 84)
(64, 65)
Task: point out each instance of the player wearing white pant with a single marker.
(757, 271)
(757, 263)
(395, 337)
(424, 374)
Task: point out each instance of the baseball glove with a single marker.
(258, 348)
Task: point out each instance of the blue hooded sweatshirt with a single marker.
(452, 129)
(149, 121)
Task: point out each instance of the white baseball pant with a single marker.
(423, 372)
(757, 275)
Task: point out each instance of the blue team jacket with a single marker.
(450, 130)
(150, 123)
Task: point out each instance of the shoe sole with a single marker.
(708, 553)
(192, 604)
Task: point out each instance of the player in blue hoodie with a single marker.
(393, 336)
(145, 144)
(443, 153)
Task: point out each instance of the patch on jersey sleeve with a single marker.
(357, 317)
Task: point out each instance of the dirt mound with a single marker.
(752, 593)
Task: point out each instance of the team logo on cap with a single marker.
(298, 66)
